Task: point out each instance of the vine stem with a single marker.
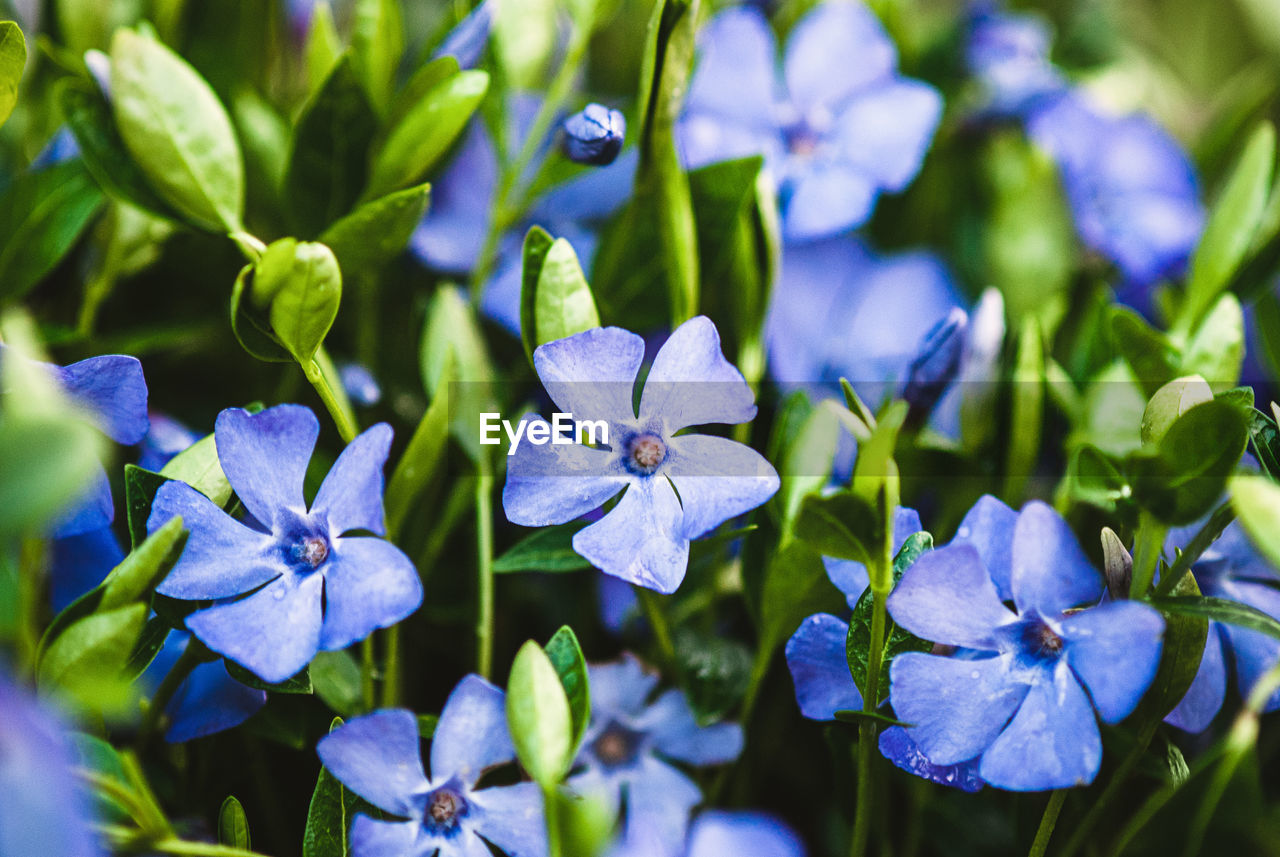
(484, 570)
(658, 621)
(187, 661)
(867, 729)
(1047, 822)
(320, 381)
(551, 811)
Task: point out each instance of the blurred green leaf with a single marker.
(1216, 349)
(452, 328)
(1257, 503)
(1219, 610)
(329, 154)
(1266, 442)
(233, 824)
(13, 60)
(42, 216)
(144, 567)
(566, 656)
(417, 467)
(335, 676)
(714, 673)
(539, 717)
(795, 586)
(547, 549)
(806, 462)
(377, 41)
(1148, 352)
(1184, 475)
(842, 525)
(1092, 477)
(177, 131)
(523, 38)
(375, 233)
(324, 45)
(1180, 656)
(85, 664)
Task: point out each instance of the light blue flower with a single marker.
(379, 758)
(838, 128)
(675, 486)
(1009, 55)
(287, 580)
(627, 743)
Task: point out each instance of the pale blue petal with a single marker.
(1050, 570)
(373, 838)
(1255, 653)
(675, 733)
(817, 658)
(555, 483)
(947, 597)
(210, 701)
(368, 584)
(734, 77)
(835, 50)
(716, 833)
(885, 131)
(707, 138)
(825, 200)
(620, 687)
(1114, 650)
(113, 389)
(691, 383)
(659, 800)
(592, 374)
(988, 526)
(265, 456)
(511, 818)
(79, 563)
(450, 235)
(350, 498)
(896, 746)
(640, 540)
(717, 479)
(379, 758)
(471, 736)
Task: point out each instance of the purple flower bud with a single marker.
(594, 135)
(936, 364)
(466, 42)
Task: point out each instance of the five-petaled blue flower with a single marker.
(1231, 568)
(1009, 55)
(819, 663)
(379, 758)
(1020, 696)
(840, 128)
(45, 811)
(627, 741)
(287, 580)
(594, 135)
(677, 486)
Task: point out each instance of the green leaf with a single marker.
(144, 567)
(566, 656)
(1216, 350)
(1148, 352)
(548, 549)
(897, 639)
(561, 300)
(807, 461)
(335, 676)
(377, 41)
(298, 684)
(233, 825)
(302, 284)
(714, 673)
(87, 661)
(1093, 478)
(251, 326)
(425, 132)
(1266, 442)
(417, 467)
(1232, 223)
(537, 243)
(524, 36)
(857, 717)
(1180, 656)
(103, 151)
(1185, 475)
(42, 216)
(842, 525)
(1170, 402)
(46, 463)
(1257, 503)
(427, 724)
(539, 717)
(100, 757)
(1219, 610)
(13, 59)
(154, 634)
(378, 231)
(324, 45)
(452, 328)
(329, 818)
(140, 487)
(198, 466)
(329, 154)
(177, 131)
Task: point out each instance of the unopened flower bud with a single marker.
(594, 135)
(936, 365)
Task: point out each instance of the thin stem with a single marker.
(484, 570)
(341, 417)
(509, 196)
(1047, 822)
(551, 812)
(117, 792)
(867, 729)
(391, 668)
(31, 561)
(1106, 800)
(1218, 521)
(96, 290)
(368, 674)
(187, 661)
(658, 621)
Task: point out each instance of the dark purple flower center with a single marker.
(645, 452)
(616, 746)
(444, 807)
(1042, 641)
(311, 550)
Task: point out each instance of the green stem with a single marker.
(509, 197)
(1047, 822)
(1218, 521)
(341, 418)
(31, 570)
(867, 729)
(551, 812)
(96, 290)
(118, 793)
(189, 660)
(368, 674)
(1147, 547)
(658, 622)
(484, 570)
(1080, 835)
(391, 668)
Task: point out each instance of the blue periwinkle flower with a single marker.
(45, 811)
(593, 135)
(645, 537)
(1233, 569)
(839, 128)
(1023, 696)
(936, 365)
(1009, 55)
(287, 580)
(628, 742)
(379, 758)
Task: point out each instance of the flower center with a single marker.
(1042, 641)
(445, 806)
(616, 746)
(311, 550)
(645, 452)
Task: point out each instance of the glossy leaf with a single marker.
(376, 233)
(1184, 476)
(537, 243)
(539, 716)
(303, 286)
(233, 824)
(87, 661)
(13, 60)
(548, 549)
(198, 466)
(842, 525)
(562, 301)
(144, 567)
(566, 656)
(333, 807)
(140, 487)
(896, 639)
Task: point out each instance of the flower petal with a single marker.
(265, 455)
(1051, 743)
(1255, 652)
(1050, 571)
(471, 736)
(79, 563)
(675, 733)
(592, 374)
(273, 633)
(1114, 650)
(93, 510)
(113, 388)
(850, 576)
(717, 479)
(449, 237)
(554, 483)
(957, 706)
(708, 138)
(716, 833)
(368, 583)
(896, 746)
(620, 687)
(734, 78)
(222, 557)
(885, 131)
(659, 800)
(210, 701)
(640, 540)
(379, 758)
(819, 665)
(1204, 698)
(834, 50)
(691, 383)
(351, 495)
(947, 597)
(827, 199)
(988, 526)
(373, 838)
(511, 818)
